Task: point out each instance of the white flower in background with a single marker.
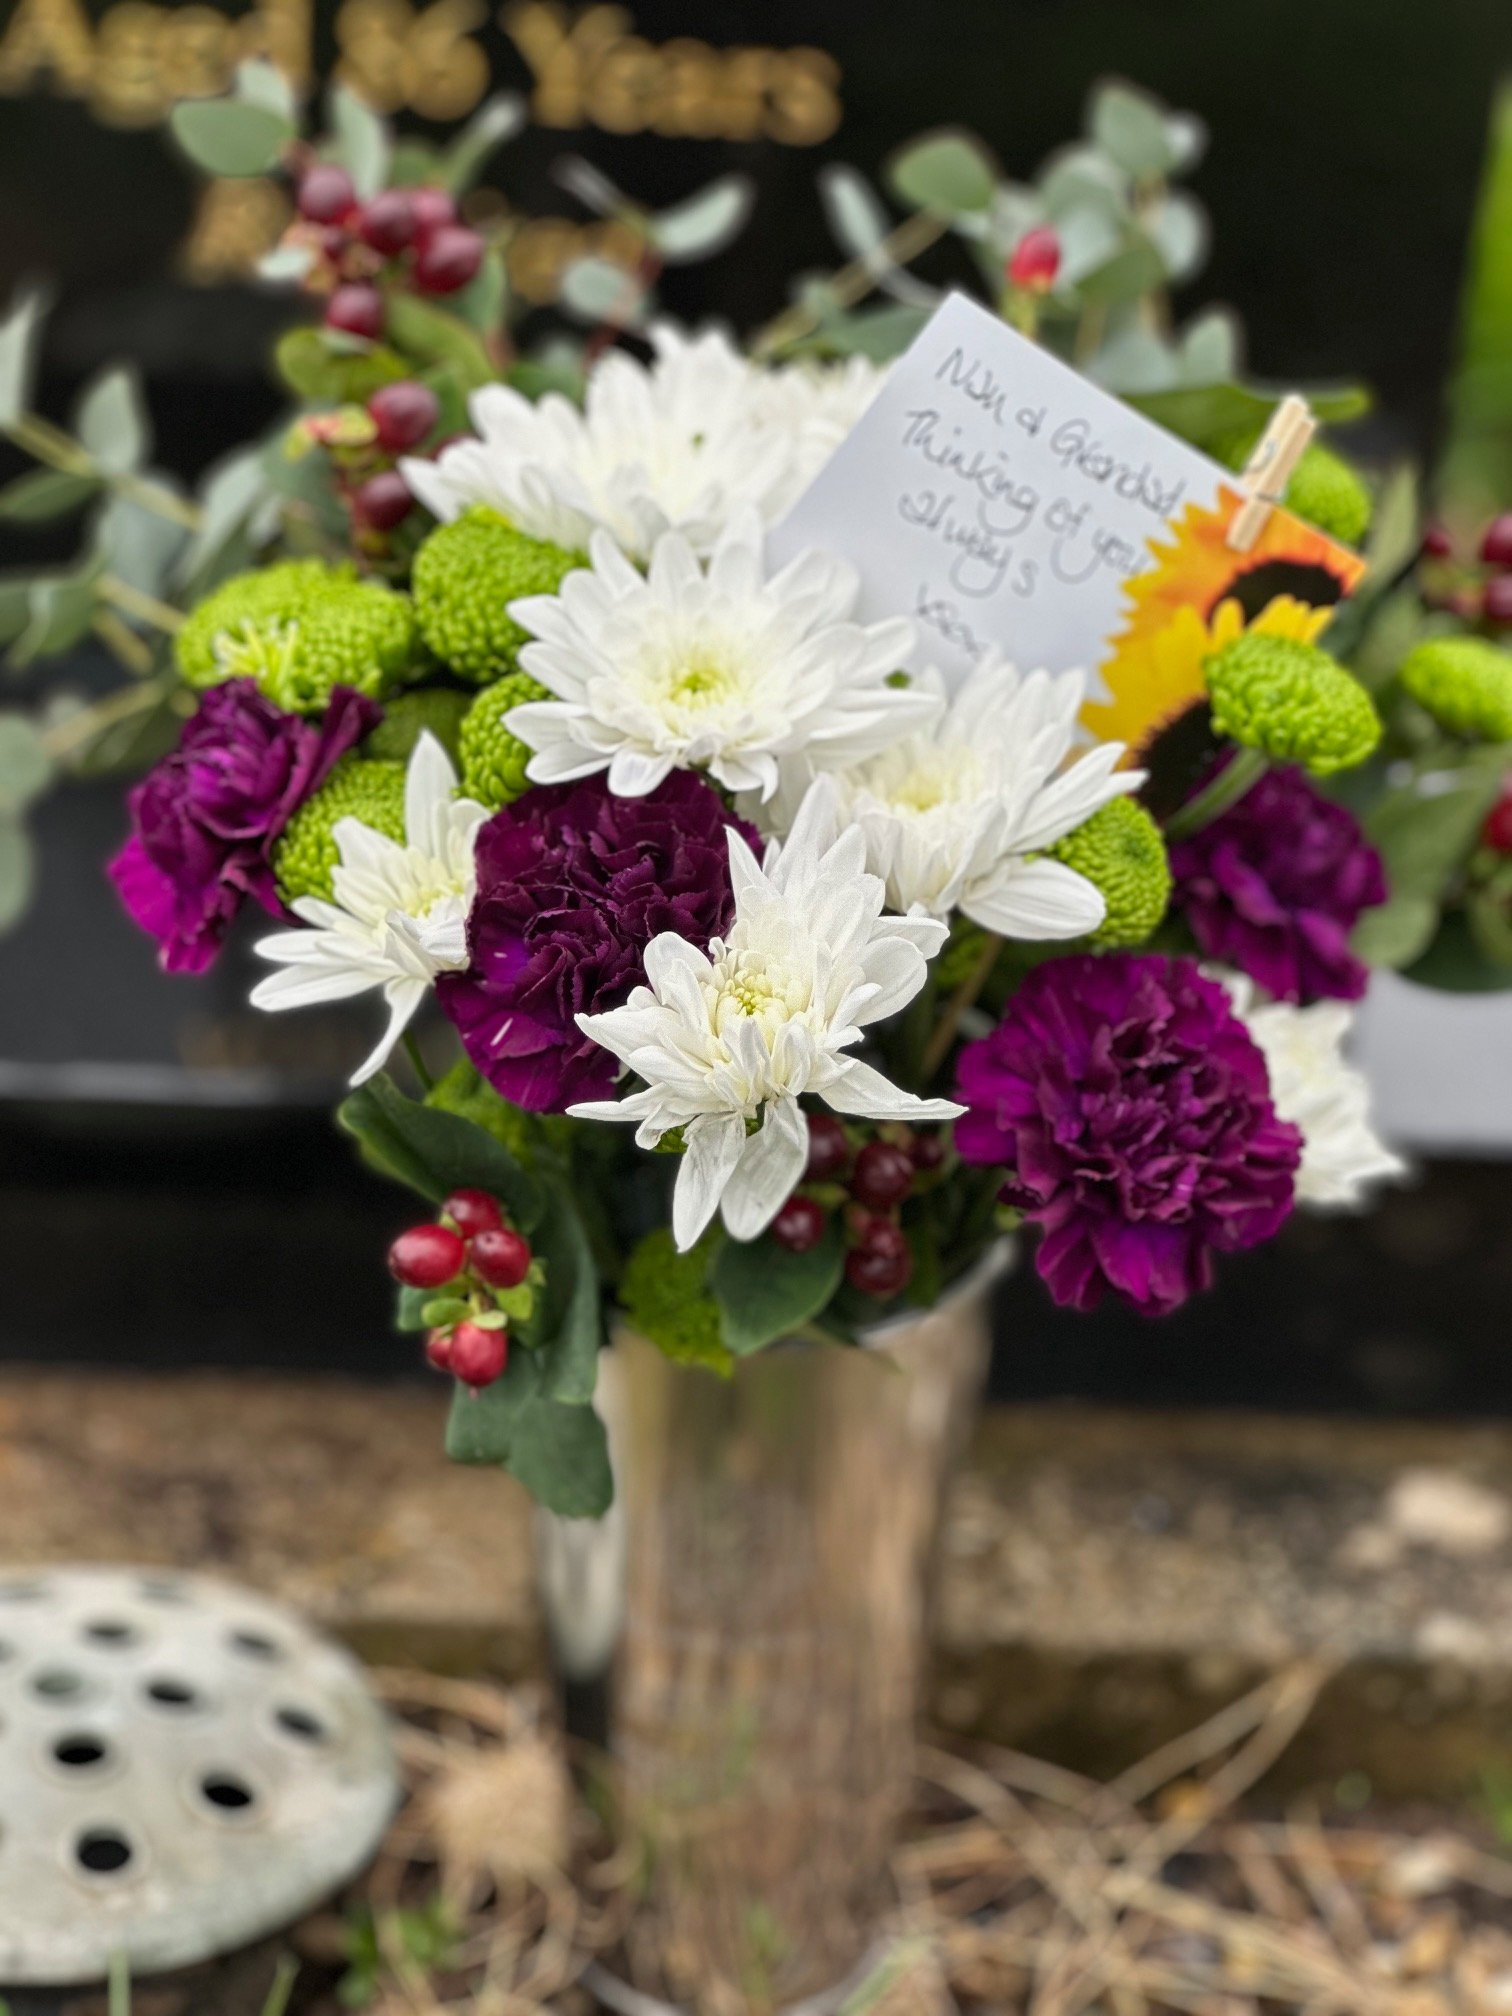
(954, 814)
(676, 445)
(398, 915)
(814, 407)
(716, 667)
(1320, 1092)
(770, 1013)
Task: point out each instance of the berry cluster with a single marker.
(405, 237)
(1478, 590)
(869, 1185)
(479, 1273)
(364, 443)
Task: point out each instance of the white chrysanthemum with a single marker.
(814, 407)
(768, 1015)
(1320, 1092)
(398, 915)
(714, 667)
(955, 814)
(1316, 1088)
(676, 445)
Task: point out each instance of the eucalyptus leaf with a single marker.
(1135, 360)
(592, 187)
(26, 769)
(435, 1152)
(498, 119)
(42, 494)
(259, 82)
(19, 335)
(706, 222)
(1089, 238)
(286, 263)
(111, 422)
(1209, 348)
(765, 1292)
(1080, 178)
(228, 136)
(1178, 229)
(229, 495)
(854, 210)
(948, 171)
(59, 612)
(361, 142)
(1131, 129)
(1134, 270)
(16, 868)
(597, 290)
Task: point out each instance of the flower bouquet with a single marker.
(743, 981)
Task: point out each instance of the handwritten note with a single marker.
(998, 498)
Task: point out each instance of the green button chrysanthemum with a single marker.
(1292, 702)
(666, 1299)
(299, 629)
(1465, 684)
(465, 577)
(408, 715)
(356, 789)
(493, 760)
(1122, 854)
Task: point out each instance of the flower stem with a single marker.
(938, 1046)
(417, 1062)
(904, 242)
(1226, 789)
(136, 602)
(49, 444)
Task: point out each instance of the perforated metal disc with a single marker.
(184, 1768)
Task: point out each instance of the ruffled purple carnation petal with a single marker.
(1276, 885)
(573, 884)
(1132, 1109)
(205, 819)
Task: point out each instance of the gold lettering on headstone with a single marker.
(47, 38)
(237, 221)
(396, 55)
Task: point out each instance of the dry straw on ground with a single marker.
(1022, 1887)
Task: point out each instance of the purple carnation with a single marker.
(205, 818)
(573, 884)
(1276, 884)
(1133, 1110)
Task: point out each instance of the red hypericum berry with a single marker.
(500, 1257)
(881, 1264)
(387, 222)
(447, 259)
(438, 1351)
(1496, 546)
(426, 1256)
(357, 309)
(1035, 260)
(1496, 599)
(473, 1211)
(928, 1152)
(829, 1152)
(403, 414)
(1497, 831)
(433, 209)
(326, 194)
(478, 1356)
(383, 501)
(1437, 545)
(883, 1175)
(799, 1225)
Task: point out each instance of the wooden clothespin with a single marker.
(1269, 469)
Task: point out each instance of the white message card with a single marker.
(998, 498)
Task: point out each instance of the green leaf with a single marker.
(362, 140)
(311, 365)
(764, 1292)
(1131, 129)
(19, 333)
(111, 422)
(26, 769)
(259, 82)
(854, 210)
(1455, 964)
(568, 1319)
(434, 1152)
(227, 136)
(1208, 414)
(436, 1310)
(559, 1453)
(136, 545)
(436, 337)
(15, 871)
(706, 222)
(598, 290)
(1474, 477)
(15, 592)
(230, 493)
(482, 302)
(948, 171)
(410, 1314)
(59, 611)
(1397, 932)
(1425, 837)
(44, 494)
(498, 119)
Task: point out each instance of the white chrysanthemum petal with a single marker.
(1319, 1091)
(399, 913)
(768, 1171)
(715, 1143)
(1037, 900)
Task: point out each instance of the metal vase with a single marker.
(772, 1545)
